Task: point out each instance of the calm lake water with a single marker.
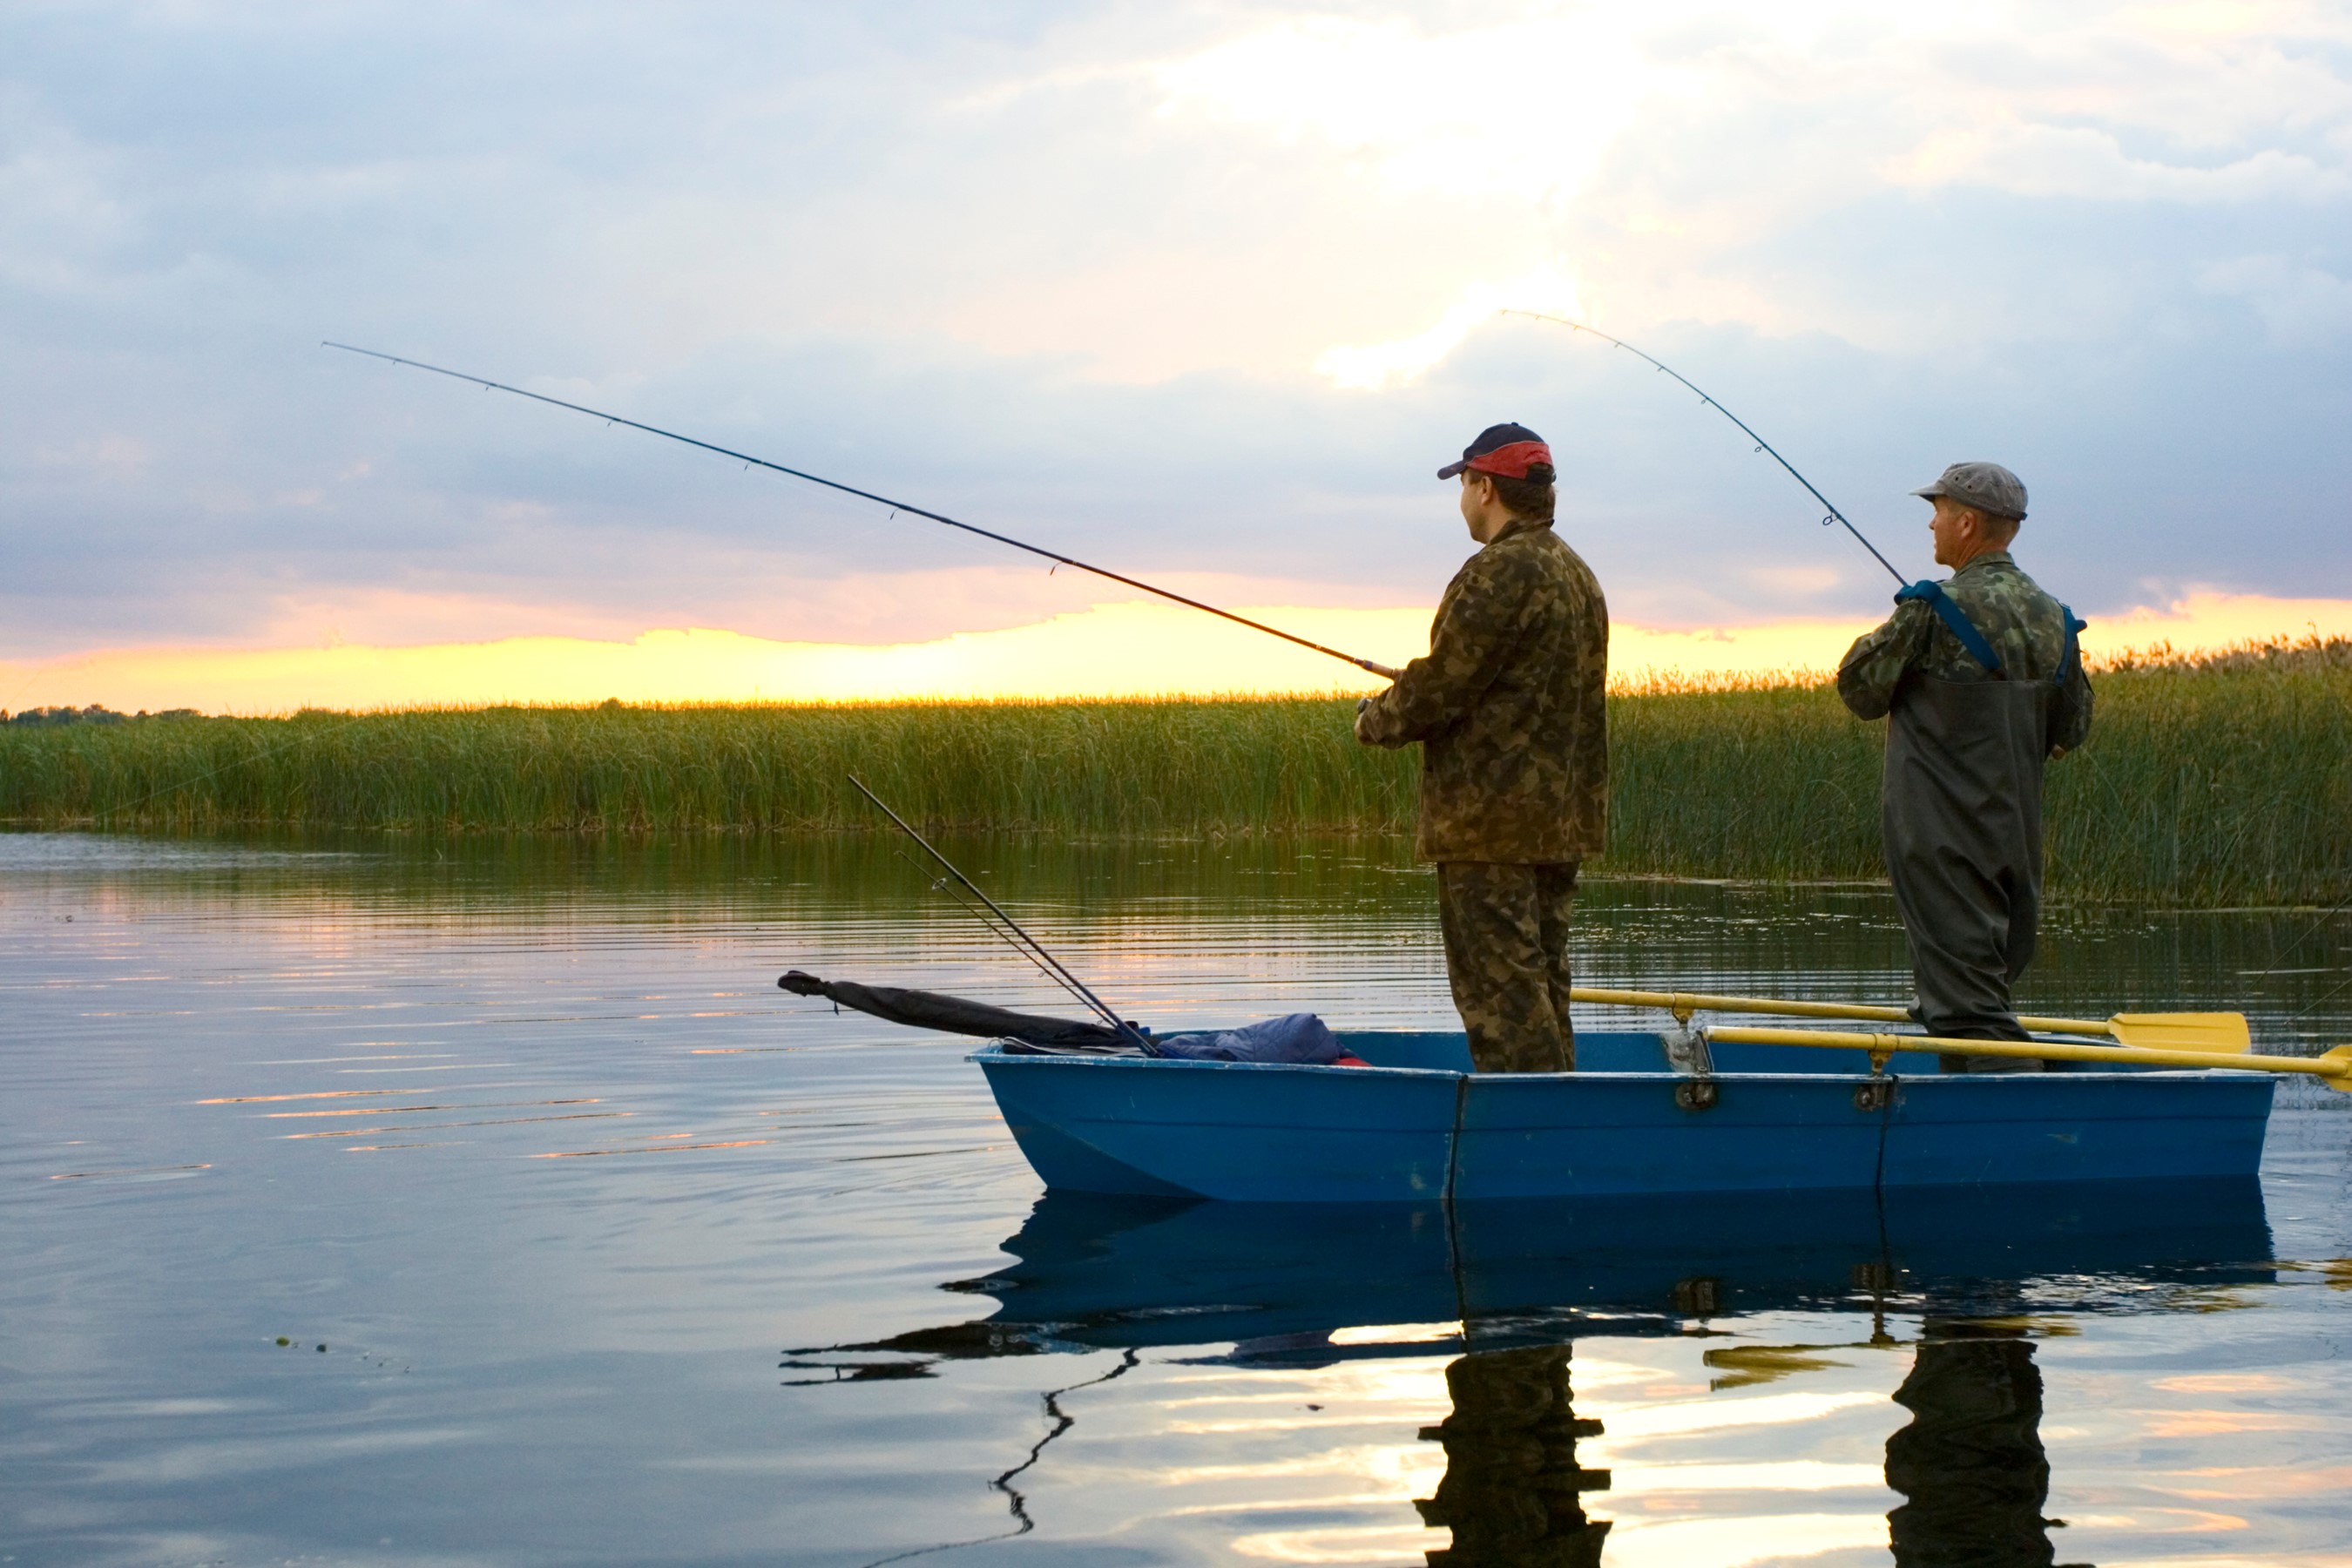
(399, 1202)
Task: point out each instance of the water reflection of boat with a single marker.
(1504, 1287)
(1276, 1281)
(1415, 1125)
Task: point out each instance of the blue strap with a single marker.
(2066, 660)
(1933, 594)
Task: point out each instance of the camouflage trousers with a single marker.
(1505, 932)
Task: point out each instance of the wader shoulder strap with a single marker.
(1933, 594)
(2066, 659)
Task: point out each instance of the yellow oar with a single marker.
(2220, 1033)
(2333, 1068)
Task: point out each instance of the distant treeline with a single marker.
(2207, 781)
(97, 713)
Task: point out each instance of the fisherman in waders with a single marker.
(1514, 753)
(1981, 682)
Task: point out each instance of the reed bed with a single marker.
(1108, 769)
(2214, 781)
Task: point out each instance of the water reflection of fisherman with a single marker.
(1512, 1485)
(1981, 683)
(1509, 708)
(1969, 1464)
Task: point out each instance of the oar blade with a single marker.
(2221, 1034)
(2340, 1058)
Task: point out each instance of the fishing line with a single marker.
(2305, 1011)
(1761, 443)
(38, 672)
(942, 885)
(1012, 936)
(748, 460)
(2307, 933)
(1078, 987)
(2315, 1003)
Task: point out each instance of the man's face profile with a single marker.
(1962, 533)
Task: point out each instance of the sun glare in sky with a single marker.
(1374, 367)
(1426, 112)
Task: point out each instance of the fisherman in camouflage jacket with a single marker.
(1513, 737)
(1981, 683)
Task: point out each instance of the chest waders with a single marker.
(1961, 813)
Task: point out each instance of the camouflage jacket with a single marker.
(1508, 708)
(2025, 626)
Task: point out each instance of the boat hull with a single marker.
(1400, 1130)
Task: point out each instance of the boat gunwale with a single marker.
(995, 1054)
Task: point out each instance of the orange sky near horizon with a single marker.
(1122, 649)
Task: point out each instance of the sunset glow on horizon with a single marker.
(1110, 650)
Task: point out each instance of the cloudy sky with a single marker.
(1203, 292)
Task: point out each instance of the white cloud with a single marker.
(61, 208)
(99, 454)
(1116, 277)
(1375, 367)
(2088, 164)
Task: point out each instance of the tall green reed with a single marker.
(2202, 783)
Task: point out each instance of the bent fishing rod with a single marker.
(1383, 671)
(1761, 443)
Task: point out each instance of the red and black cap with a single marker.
(1506, 451)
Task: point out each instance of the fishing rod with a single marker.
(1761, 443)
(1027, 945)
(1383, 671)
(941, 885)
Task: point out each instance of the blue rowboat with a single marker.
(1417, 1125)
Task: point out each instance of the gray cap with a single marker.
(1987, 487)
